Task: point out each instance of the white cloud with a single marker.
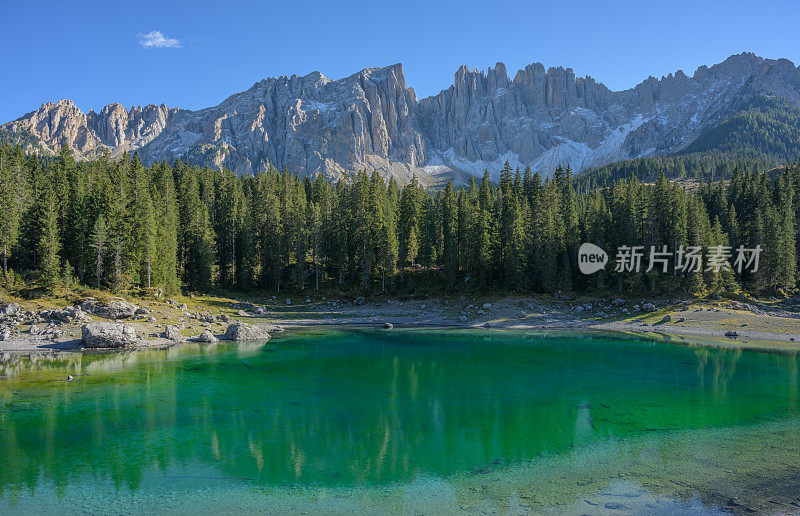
(155, 39)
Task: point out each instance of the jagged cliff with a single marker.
(314, 125)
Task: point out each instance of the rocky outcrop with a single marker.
(113, 130)
(108, 335)
(249, 332)
(371, 120)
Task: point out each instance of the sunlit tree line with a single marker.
(115, 224)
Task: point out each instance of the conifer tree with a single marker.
(99, 242)
(10, 205)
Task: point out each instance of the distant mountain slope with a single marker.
(764, 127)
(542, 118)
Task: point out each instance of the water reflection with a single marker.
(363, 408)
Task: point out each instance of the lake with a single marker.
(403, 421)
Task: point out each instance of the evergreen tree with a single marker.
(99, 242)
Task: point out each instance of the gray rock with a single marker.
(115, 309)
(732, 333)
(245, 332)
(142, 311)
(10, 309)
(462, 319)
(487, 306)
(618, 302)
(648, 307)
(183, 307)
(108, 335)
(173, 333)
(388, 325)
(665, 319)
(207, 336)
(371, 119)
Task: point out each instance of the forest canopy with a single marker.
(116, 224)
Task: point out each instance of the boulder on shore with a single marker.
(108, 335)
(9, 309)
(173, 333)
(207, 336)
(115, 309)
(244, 331)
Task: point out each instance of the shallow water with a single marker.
(403, 421)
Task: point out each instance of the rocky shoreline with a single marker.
(115, 324)
(118, 323)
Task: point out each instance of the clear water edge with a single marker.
(404, 421)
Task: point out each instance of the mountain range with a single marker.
(372, 120)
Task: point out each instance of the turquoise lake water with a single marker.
(399, 421)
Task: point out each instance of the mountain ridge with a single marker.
(371, 119)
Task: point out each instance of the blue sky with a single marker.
(195, 54)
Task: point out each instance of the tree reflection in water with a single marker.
(354, 408)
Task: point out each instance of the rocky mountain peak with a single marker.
(373, 120)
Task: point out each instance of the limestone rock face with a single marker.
(108, 335)
(115, 129)
(371, 120)
(246, 332)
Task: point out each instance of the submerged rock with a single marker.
(108, 335)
